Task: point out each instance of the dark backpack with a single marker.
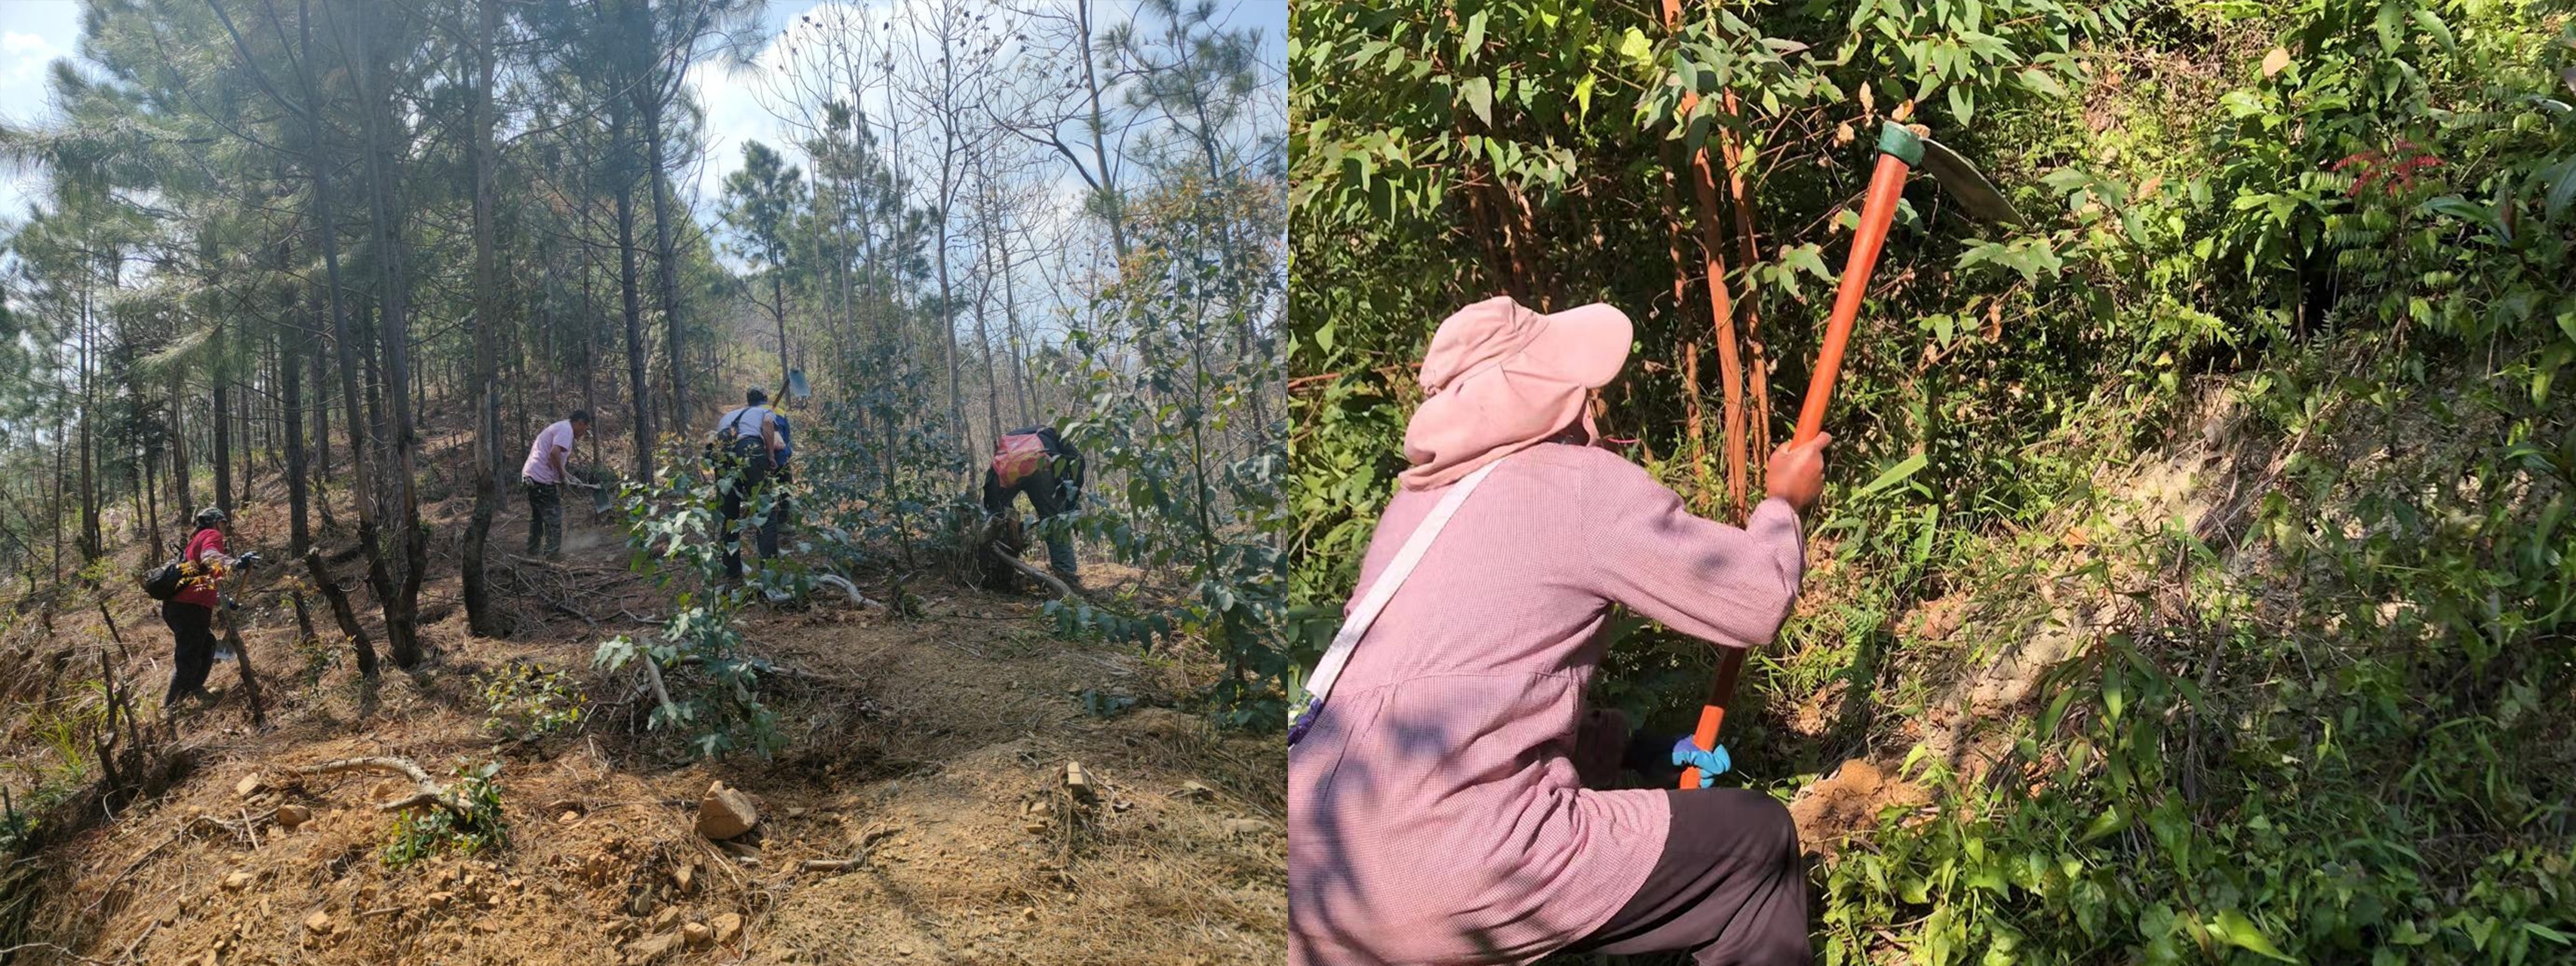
(738, 444)
(163, 582)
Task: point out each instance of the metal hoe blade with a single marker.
(1961, 180)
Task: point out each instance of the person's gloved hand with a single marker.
(229, 603)
(249, 560)
(1710, 763)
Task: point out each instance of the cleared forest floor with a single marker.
(933, 750)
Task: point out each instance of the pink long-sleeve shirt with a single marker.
(1434, 813)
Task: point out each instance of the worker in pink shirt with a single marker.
(544, 476)
(1436, 810)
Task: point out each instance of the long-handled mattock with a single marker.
(1899, 150)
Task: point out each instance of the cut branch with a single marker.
(653, 674)
(1041, 576)
(856, 598)
(859, 857)
(426, 791)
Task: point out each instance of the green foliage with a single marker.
(1158, 414)
(673, 524)
(525, 701)
(427, 831)
(878, 477)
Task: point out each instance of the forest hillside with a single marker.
(350, 272)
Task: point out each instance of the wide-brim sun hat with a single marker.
(1500, 377)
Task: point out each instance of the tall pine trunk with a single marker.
(223, 426)
(634, 330)
(397, 571)
(480, 616)
(669, 275)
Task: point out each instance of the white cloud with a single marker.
(33, 33)
(16, 44)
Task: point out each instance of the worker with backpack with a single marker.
(1036, 461)
(746, 448)
(187, 589)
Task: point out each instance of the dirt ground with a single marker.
(929, 752)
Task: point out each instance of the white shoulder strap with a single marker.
(1353, 628)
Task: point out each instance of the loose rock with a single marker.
(697, 935)
(650, 948)
(290, 816)
(727, 926)
(319, 923)
(1195, 790)
(250, 785)
(1239, 827)
(237, 881)
(725, 813)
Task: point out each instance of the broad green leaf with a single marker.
(1636, 49)
(2243, 934)
(1583, 97)
(2038, 80)
(2459, 207)
(1894, 475)
(2432, 24)
(2563, 191)
(1475, 44)
(2110, 821)
(1808, 258)
(1479, 93)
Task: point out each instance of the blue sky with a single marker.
(34, 32)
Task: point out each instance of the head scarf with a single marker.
(1500, 378)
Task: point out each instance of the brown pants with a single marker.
(1730, 886)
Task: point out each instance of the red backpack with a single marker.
(1016, 456)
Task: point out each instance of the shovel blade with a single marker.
(1960, 180)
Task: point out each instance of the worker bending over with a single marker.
(544, 476)
(1036, 461)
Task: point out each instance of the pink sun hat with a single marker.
(1500, 378)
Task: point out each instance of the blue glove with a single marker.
(1710, 763)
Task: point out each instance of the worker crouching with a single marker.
(1437, 813)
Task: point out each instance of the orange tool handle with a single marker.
(1713, 713)
(1886, 184)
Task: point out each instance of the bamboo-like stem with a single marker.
(1721, 305)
